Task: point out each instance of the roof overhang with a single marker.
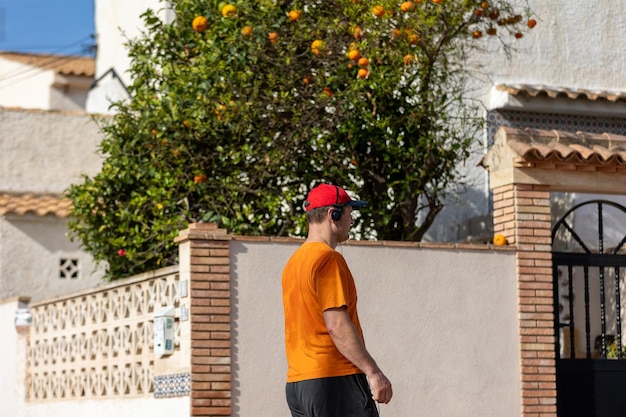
(565, 161)
(36, 204)
(544, 99)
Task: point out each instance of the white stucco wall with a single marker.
(575, 44)
(24, 86)
(13, 354)
(28, 87)
(44, 152)
(442, 324)
(117, 21)
(31, 249)
(69, 93)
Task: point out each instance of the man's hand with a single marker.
(381, 387)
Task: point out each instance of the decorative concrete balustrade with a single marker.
(99, 343)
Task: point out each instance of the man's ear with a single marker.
(336, 213)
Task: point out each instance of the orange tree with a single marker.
(239, 108)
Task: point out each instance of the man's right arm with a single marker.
(349, 343)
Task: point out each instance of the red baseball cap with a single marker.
(325, 195)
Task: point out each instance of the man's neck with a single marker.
(322, 232)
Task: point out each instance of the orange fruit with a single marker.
(412, 38)
(363, 62)
(499, 240)
(200, 178)
(518, 35)
(358, 33)
(295, 15)
(408, 60)
(229, 10)
(328, 91)
(484, 4)
(378, 11)
(273, 37)
(396, 33)
(354, 55)
(200, 24)
(438, 1)
(246, 31)
(186, 124)
(317, 46)
(477, 34)
(531, 23)
(363, 73)
(305, 80)
(407, 6)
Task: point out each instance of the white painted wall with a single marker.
(24, 86)
(117, 21)
(28, 87)
(13, 354)
(44, 152)
(31, 248)
(575, 44)
(442, 324)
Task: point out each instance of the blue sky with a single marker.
(47, 26)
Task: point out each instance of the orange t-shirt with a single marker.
(315, 279)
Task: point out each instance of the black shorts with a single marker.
(341, 396)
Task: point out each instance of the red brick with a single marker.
(210, 411)
(196, 342)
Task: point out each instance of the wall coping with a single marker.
(386, 243)
(210, 231)
(16, 299)
(145, 276)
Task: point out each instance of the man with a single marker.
(330, 373)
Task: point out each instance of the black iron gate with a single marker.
(589, 275)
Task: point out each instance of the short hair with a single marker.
(317, 215)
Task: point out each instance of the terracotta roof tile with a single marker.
(561, 92)
(554, 148)
(61, 64)
(38, 204)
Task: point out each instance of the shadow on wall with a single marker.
(49, 233)
(235, 254)
(44, 262)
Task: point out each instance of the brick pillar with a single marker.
(205, 264)
(522, 215)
